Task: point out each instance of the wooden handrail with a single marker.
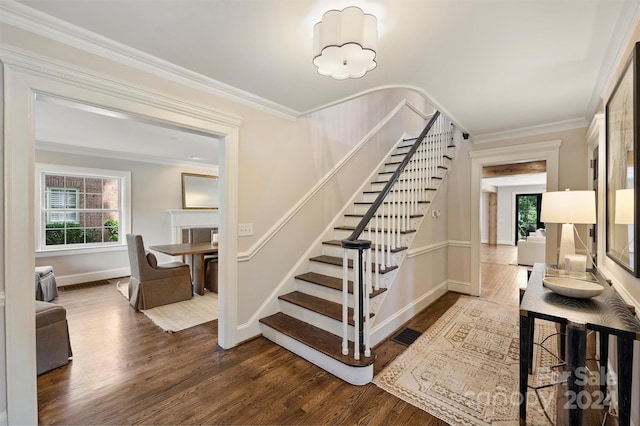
(387, 188)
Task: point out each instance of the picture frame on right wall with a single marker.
(623, 183)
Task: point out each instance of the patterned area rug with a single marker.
(181, 315)
(465, 368)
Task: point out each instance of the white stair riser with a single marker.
(338, 251)
(327, 324)
(354, 221)
(355, 375)
(333, 271)
(322, 292)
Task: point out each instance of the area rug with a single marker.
(465, 368)
(181, 315)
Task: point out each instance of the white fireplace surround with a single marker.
(181, 219)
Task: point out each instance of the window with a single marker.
(81, 208)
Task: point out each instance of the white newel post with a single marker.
(181, 219)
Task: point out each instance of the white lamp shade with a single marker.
(345, 43)
(568, 207)
(624, 213)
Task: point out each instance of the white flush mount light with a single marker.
(345, 43)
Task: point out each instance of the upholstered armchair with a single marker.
(154, 285)
(201, 235)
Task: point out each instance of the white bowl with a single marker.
(571, 287)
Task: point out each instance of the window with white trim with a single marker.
(81, 208)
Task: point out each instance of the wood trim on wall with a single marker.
(493, 218)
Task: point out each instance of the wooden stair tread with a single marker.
(332, 282)
(373, 246)
(371, 202)
(337, 261)
(352, 228)
(321, 306)
(412, 216)
(316, 338)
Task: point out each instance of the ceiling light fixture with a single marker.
(345, 43)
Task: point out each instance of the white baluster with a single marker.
(367, 306)
(356, 305)
(345, 302)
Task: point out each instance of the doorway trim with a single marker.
(546, 150)
(25, 76)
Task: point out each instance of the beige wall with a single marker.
(326, 137)
(280, 163)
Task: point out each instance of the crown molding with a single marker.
(628, 20)
(54, 70)
(558, 126)
(28, 19)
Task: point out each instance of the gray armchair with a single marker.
(154, 285)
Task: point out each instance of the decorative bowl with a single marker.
(571, 287)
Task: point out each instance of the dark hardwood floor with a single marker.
(125, 370)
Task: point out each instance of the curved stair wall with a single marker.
(318, 318)
(268, 268)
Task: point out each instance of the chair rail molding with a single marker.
(272, 232)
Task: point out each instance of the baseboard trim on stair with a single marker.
(382, 331)
(358, 376)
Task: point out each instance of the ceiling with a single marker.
(493, 66)
(66, 126)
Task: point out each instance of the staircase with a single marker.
(325, 315)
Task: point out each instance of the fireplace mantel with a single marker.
(181, 219)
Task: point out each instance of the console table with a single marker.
(606, 313)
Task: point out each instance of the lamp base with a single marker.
(567, 243)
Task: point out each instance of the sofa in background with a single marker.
(532, 250)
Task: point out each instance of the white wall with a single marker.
(155, 189)
(507, 210)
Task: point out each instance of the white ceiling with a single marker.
(66, 126)
(493, 66)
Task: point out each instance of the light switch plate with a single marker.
(245, 229)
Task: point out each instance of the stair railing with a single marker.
(386, 223)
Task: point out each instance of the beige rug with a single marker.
(181, 315)
(465, 368)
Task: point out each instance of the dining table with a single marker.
(196, 252)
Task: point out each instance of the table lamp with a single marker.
(624, 207)
(568, 208)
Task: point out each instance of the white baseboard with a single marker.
(381, 331)
(4, 419)
(460, 287)
(92, 276)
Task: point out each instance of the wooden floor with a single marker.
(125, 370)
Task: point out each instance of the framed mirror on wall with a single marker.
(623, 130)
(199, 191)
